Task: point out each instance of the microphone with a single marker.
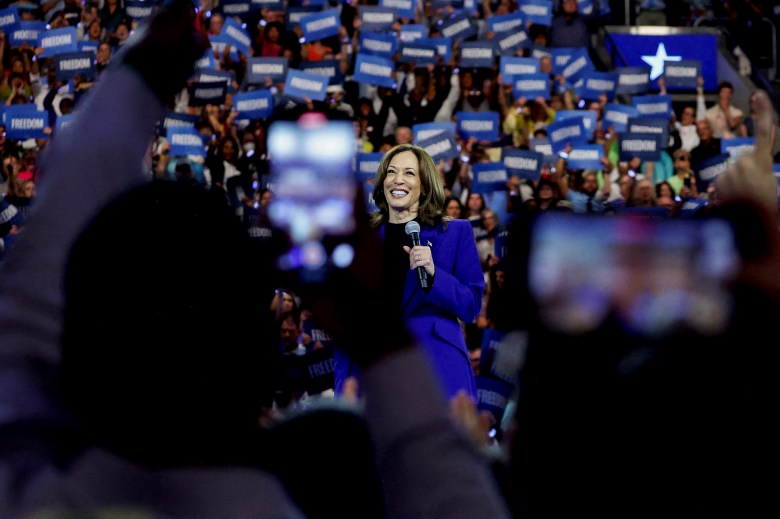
(412, 229)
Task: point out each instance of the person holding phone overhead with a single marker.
(409, 196)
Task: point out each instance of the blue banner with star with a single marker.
(659, 50)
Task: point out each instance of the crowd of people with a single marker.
(58, 260)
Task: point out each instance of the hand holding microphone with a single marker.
(419, 257)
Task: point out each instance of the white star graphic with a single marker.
(658, 61)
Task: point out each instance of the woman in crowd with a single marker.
(453, 208)
(408, 189)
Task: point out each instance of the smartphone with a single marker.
(314, 189)
(655, 276)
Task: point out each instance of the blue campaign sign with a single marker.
(440, 147)
(483, 126)
(185, 141)
(57, 41)
(25, 122)
(296, 14)
(586, 156)
(329, 68)
(403, 8)
(367, 164)
(480, 54)
(9, 17)
(561, 56)
(416, 52)
(594, 84)
(374, 70)
(617, 116)
(236, 36)
(202, 94)
(542, 145)
(320, 25)
(177, 120)
(531, 86)
(378, 44)
(255, 104)
(540, 52)
(140, 9)
(258, 69)
(513, 66)
(376, 19)
(567, 131)
(737, 147)
(25, 32)
(424, 131)
(654, 107)
(319, 370)
(219, 43)
(579, 64)
(240, 8)
(589, 118)
(633, 80)
(536, 11)
(658, 50)
(443, 46)
(493, 396)
(510, 41)
(207, 61)
(708, 170)
(413, 32)
(217, 76)
(305, 85)
(488, 177)
(71, 64)
(271, 5)
(459, 26)
(682, 75)
(506, 22)
(647, 125)
(646, 146)
(523, 163)
(88, 46)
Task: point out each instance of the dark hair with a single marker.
(725, 84)
(431, 202)
(449, 199)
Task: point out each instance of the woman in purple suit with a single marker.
(408, 188)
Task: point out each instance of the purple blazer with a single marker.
(432, 317)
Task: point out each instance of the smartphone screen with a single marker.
(314, 191)
(656, 276)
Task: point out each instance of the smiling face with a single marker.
(402, 187)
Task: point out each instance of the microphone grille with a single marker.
(411, 226)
